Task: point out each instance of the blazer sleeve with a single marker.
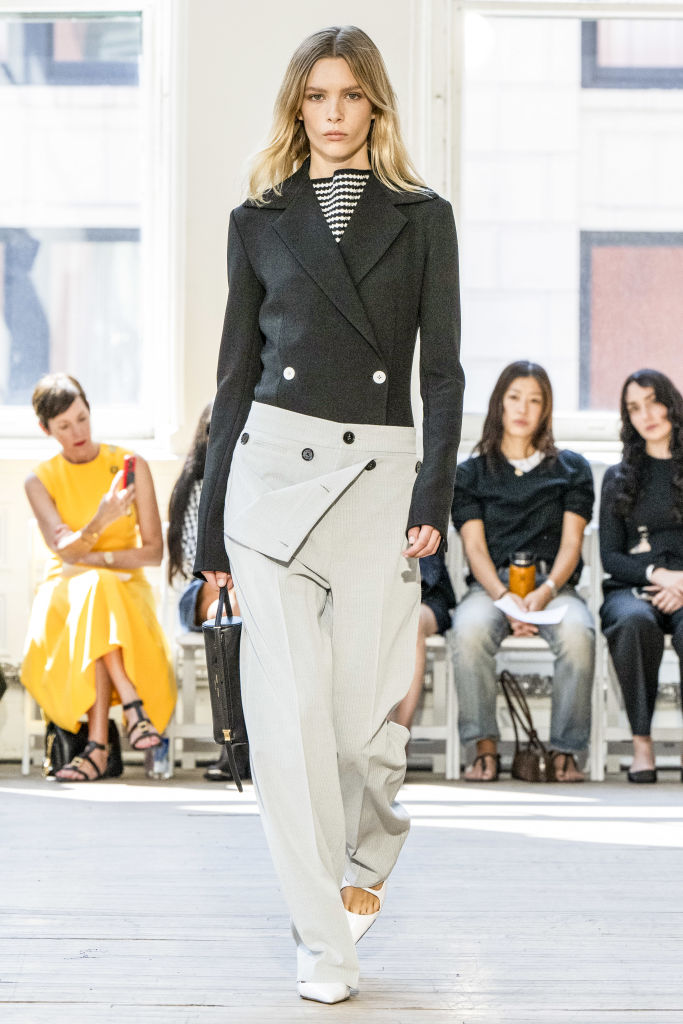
(442, 380)
(239, 370)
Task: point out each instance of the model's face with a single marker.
(337, 116)
(648, 416)
(522, 408)
(72, 430)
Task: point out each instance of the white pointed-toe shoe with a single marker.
(359, 923)
(323, 991)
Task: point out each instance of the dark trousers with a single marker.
(635, 635)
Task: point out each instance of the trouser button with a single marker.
(307, 454)
(371, 464)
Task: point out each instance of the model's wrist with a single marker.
(551, 585)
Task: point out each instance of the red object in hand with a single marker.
(128, 470)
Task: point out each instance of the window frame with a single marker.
(39, 49)
(595, 76)
(158, 414)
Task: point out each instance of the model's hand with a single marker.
(538, 598)
(218, 579)
(422, 541)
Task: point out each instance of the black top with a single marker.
(523, 513)
(341, 319)
(651, 527)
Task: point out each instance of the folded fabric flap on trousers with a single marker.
(277, 523)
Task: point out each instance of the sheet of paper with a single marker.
(548, 617)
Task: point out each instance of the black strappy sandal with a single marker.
(75, 765)
(143, 725)
(482, 758)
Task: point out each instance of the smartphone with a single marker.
(128, 470)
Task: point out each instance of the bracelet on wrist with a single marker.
(649, 571)
(551, 585)
(90, 537)
(502, 594)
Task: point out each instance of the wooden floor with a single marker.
(131, 902)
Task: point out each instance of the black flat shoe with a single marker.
(647, 775)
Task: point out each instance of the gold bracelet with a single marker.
(90, 538)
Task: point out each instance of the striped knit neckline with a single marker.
(339, 195)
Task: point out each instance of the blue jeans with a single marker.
(478, 630)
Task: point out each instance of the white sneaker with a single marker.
(359, 923)
(323, 991)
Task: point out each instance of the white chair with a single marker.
(190, 733)
(524, 654)
(34, 723)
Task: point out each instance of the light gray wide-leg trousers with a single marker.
(315, 524)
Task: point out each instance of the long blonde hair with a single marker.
(289, 146)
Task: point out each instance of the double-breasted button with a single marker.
(379, 376)
(418, 467)
(349, 437)
(307, 454)
(244, 438)
(289, 373)
(371, 464)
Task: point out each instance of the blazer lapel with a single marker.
(374, 225)
(306, 233)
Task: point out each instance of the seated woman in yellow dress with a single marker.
(94, 638)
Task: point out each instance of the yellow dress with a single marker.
(79, 614)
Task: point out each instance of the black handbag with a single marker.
(531, 762)
(61, 746)
(222, 643)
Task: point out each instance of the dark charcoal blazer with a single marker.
(344, 317)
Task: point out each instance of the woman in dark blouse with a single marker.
(641, 544)
(519, 493)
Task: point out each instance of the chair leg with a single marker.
(26, 746)
(598, 747)
(452, 734)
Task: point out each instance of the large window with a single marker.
(72, 214)
(571, 215)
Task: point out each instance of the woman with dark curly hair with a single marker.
(641, 544)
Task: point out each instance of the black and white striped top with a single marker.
(338, 196)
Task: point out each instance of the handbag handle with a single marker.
(223, 604)
(522, 714)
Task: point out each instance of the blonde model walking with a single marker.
(312, 484)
